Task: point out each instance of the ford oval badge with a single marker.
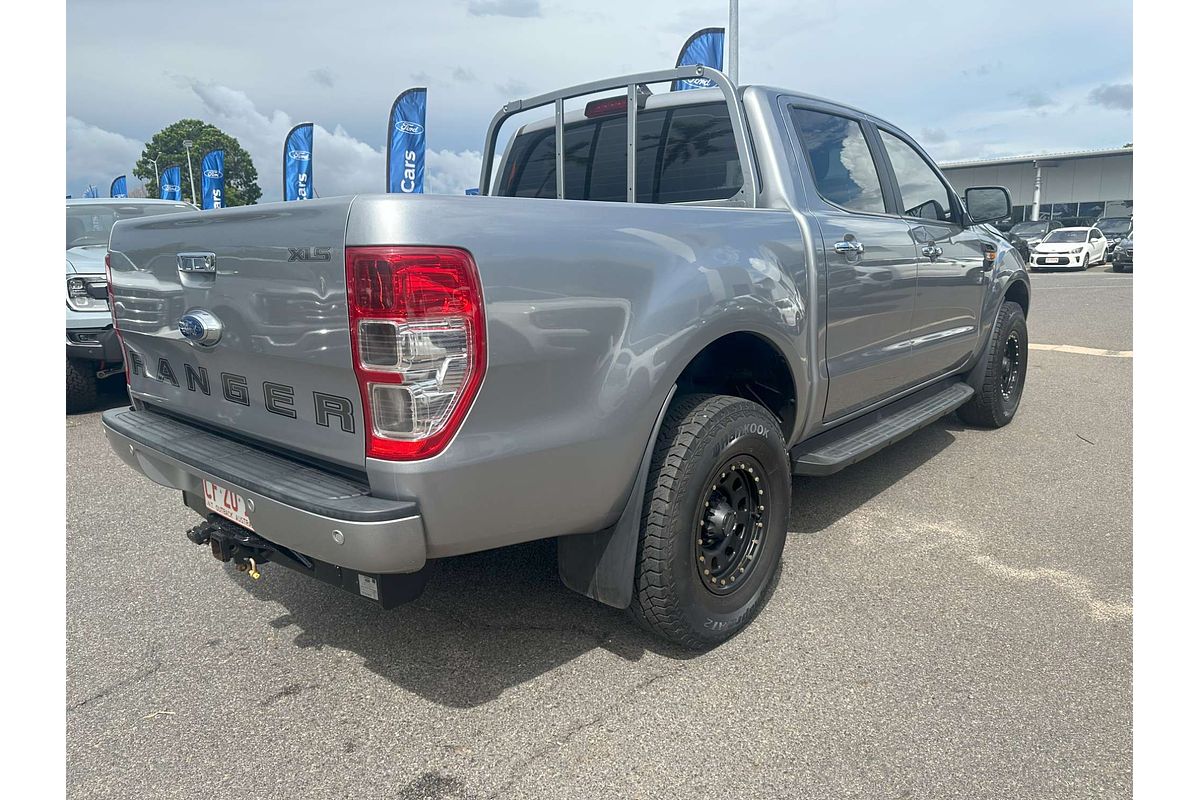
(200, 327)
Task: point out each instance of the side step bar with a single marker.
(850, 443)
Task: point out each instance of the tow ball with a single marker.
(246, 549)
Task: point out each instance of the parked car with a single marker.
(1034, 231)
(1076, 222)
(1115, 229)
(93, 351)
(1122, 258)
(1077, 248)
(1019, 244)
(640, 379)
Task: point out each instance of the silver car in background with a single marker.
(93, 351)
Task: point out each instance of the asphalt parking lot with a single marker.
(953, 621)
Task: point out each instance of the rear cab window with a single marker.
(840, 160)
(685, 154)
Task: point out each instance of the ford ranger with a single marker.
(660, 308)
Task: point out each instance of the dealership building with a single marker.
(1087, 183)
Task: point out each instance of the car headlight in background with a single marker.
(87, 294)
(1076, 249)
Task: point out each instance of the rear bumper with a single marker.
(318, 513)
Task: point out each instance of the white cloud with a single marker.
(448, 172)
(96, 156)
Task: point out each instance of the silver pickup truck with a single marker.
(661, 307)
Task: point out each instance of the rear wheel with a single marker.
(995, 404)
(81, 385)
(714, 521)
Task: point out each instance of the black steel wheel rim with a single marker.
(731, 524)
(1010, 365)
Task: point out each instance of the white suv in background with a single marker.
(1070, 248)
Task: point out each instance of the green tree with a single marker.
(241, 178)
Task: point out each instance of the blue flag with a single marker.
(212, 169)
(406, 143)
(705, 48)
(297, 163)
(168, 184)
(91, 191)
(118, 188)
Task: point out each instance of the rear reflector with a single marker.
(417, 327)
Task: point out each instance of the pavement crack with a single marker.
(522, 767)
(137, 677)
(1089, 441)
(970, 544)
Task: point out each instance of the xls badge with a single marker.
(200, 327)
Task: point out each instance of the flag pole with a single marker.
(733, 41)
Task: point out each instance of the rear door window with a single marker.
(695, 161)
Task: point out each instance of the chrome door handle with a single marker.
(931, 251)
(846, 248)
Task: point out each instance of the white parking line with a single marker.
(1085, 351)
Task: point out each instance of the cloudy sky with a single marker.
(969, 80)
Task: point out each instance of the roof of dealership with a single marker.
(1068, 156)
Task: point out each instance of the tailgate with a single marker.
(260, 292)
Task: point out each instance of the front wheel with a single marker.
(995, 404)
(1086, 264)
(714, 520)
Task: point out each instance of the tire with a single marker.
(995, 404)
(1086, 263)
(81, 386)
(693, 512)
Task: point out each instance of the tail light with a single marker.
(417, 330)
(112, 307)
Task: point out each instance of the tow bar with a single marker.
(245, 548)
(248, 551)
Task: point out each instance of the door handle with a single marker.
(847, 247)
(931, 251)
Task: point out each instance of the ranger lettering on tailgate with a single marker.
(329, 410)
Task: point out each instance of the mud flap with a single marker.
(601, 565)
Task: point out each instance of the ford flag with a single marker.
(212, 167)
(297, 163)
(118, 188)
(406, 143)
(168, 184)
(705, 48)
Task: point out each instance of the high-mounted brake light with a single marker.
(418, 335)
(606, 106)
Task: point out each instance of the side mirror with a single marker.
(988, 203)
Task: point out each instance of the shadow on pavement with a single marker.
(112, 393)
(494, 620)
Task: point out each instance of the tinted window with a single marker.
(1069, 236)
(696, 160)
(1114, 226)
(841, 162)
(921, 191)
